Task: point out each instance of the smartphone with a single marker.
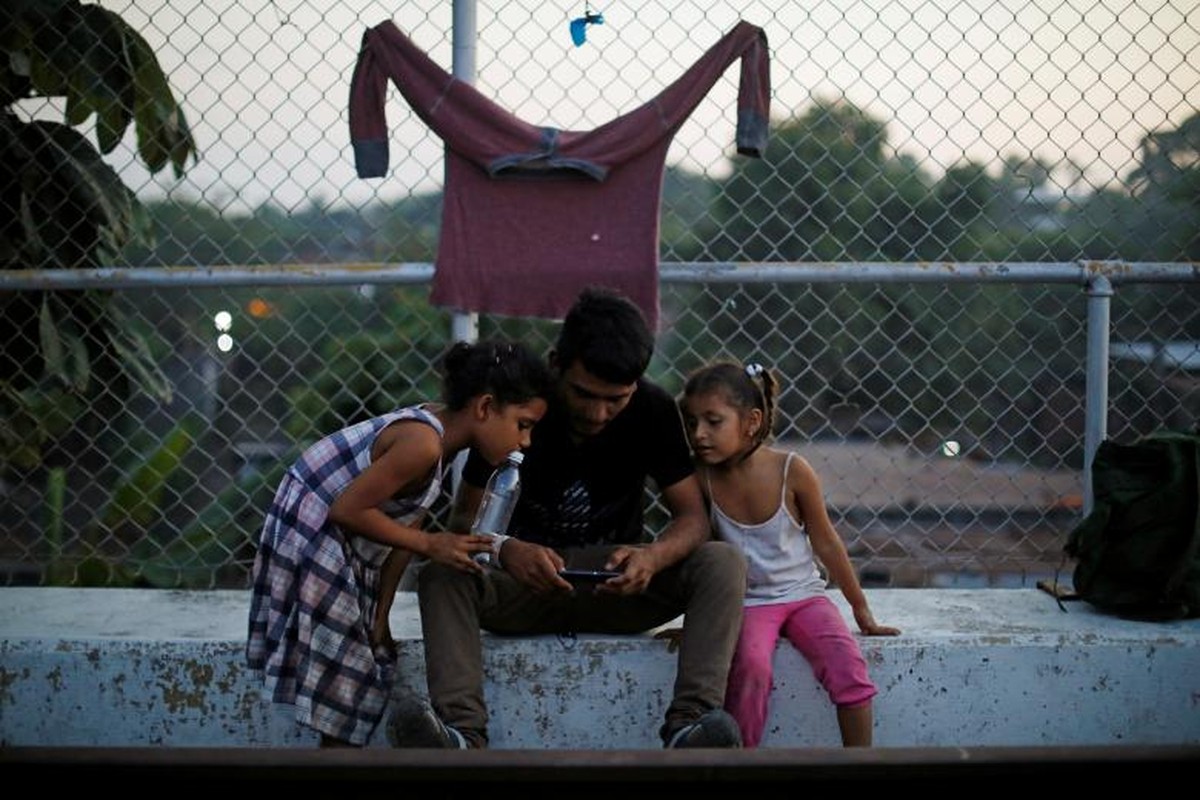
(588, 575)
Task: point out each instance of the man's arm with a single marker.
(670, 467)
(688, 528)
(686, 531)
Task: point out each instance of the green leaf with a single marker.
(106, 73)
(78, 109)
(162, 131)
(56, 490)
(136, 358)
(184, 144)
(51, 342)
(79, 364)
(136, 501)
(110, 126)
(93, 184)
(101, 65)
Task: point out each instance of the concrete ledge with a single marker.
(973, 668)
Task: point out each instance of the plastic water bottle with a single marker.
(499, 499)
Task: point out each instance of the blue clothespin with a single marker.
(579, 24)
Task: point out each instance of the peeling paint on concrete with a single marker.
(972, 668)
(176, 694)
(9, 679)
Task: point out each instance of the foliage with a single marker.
(825, 192)
(63, 207)
(211, 541)
(831, 189)
(128, 542)
(687, 200)
(132, 507)
(1170, 163)
(90, 56)
(390, 363)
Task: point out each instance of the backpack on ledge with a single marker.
(1138, 552)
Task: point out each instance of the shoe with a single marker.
(715, 728)
(414, 724)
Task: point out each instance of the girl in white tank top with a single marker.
(769, 503)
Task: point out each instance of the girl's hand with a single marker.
(381, 636)
(868, 625)
(456, 550)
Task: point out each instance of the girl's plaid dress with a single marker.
(315, 589)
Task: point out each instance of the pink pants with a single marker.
(816, 628)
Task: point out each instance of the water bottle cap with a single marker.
(516, 456)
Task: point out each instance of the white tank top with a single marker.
(779, 557)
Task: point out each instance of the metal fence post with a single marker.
(1100, 292)
(464, 327)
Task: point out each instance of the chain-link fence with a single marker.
(946, 417)
(920, 156)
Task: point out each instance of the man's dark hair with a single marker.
(607, 333)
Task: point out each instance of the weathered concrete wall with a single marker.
(973, 668)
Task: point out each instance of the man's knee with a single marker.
(436, 580)
(431, 574)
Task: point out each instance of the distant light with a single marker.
(260, 309)
(951, 448)
(223, 320)
(224, 342)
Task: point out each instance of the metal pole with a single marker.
(464, 327)
(1100, 292)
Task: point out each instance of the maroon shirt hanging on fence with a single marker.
(531, 215)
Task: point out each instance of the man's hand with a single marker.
(534, 565)
(637, 565)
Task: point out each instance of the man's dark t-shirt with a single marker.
(594, 492)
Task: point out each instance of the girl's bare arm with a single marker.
(805, 487)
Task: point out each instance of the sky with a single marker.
(265, 85)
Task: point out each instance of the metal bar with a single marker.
(1100, 292)
(469, 770)
(464, 326)
(172, 277)
(674, 273)
(929, 272)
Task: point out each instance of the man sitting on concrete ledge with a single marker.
(583, 482)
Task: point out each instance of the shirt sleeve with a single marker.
(474, 126)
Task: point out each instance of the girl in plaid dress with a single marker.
(346, 521)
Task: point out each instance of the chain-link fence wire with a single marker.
(902, 131)
(944, 419)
